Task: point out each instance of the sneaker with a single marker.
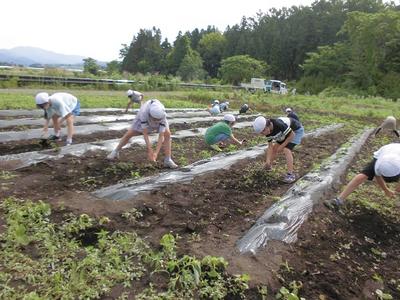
(55, 138)
(68, 143)
(170, 164)
(334, 204)
(113, 155)
(289, 178)
(215, 147)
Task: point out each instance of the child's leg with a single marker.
(167, 143)
(289, 159)
(352, 185)
(56, 125)
(125, 139)
(70, 127)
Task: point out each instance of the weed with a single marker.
(5, 175)
(383, 296)
(195, 237)
(263, 291)
(183, 161)
(132, 215)
(291, 293)
(89, 182)
(205, 154)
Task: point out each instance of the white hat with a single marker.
(157, 110)
(42, 98)
(288, 110)
(229, 118)
(259, 124)
(216, 101)
(388, 165)
(129, 93)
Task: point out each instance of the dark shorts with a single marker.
(290, 146)
(369, 171)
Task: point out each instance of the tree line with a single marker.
(352, 45)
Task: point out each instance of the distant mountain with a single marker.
(31, 55)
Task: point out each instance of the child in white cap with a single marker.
(291, 114)
(282, 134)
(384, 167)
(221, 132)
(214, 109)
(151, 117)
(58, 107)
(224, 106)
(134, 97)
(389, 123)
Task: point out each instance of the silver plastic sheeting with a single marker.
(22, 160)
(39, 112)
(99, 119)
(283, 219)
(8, 136)
(129, 189)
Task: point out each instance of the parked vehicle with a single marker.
(272, 86)
(276, 86)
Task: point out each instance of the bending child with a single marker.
(221, 132)
(283, 134)
(383, 168)
(151, 117)
(58, 107)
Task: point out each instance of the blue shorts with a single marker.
(298, 135)
(220, 138)
(77, 110)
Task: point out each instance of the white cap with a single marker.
(259, 124)
(388, 165)
(216, 101)
(129, 93)
(229, 118)
(157, 110)
(42, 98)
(227, 102)
(288, 110)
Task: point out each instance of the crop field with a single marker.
(74, 225)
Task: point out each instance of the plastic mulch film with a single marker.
(25, 159)
(8, 136)
(39, 112)
(282, 220)
(129, 189)
(98, 118)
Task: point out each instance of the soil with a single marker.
(15, 147)
(332, 257)
(210, 214)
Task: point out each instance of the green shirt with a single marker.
(215, 130)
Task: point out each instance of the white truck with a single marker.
(272, 86)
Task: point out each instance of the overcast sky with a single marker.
(98, 28)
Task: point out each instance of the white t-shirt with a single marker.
(136, 96)
(143, 120)
(62, 104)
(387, 159)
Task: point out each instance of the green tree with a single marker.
(113, 67)
(144, 54)
(375, 45)
(211, 48)
(90, 66)
(239, 68)
(191, 67)
(177, 54)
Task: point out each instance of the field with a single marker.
(75, 225)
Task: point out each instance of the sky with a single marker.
(98, 28)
